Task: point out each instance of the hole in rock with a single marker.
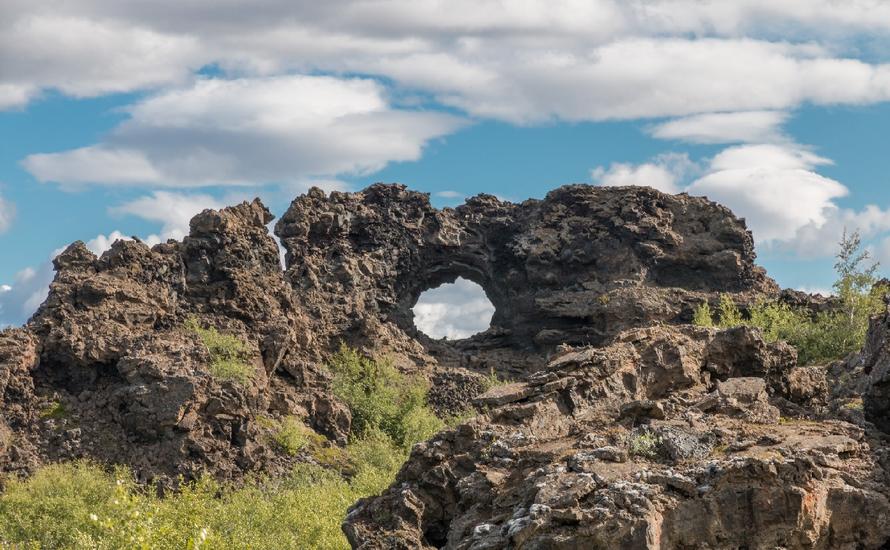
(453, 310)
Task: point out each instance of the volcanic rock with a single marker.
(574, 268)
(533, 471)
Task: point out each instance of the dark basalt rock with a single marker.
(624, 427)
(107, 370)
(557, 461)
(574, 268)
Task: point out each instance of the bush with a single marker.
(292, 435)
(819, 337)
(229, 356)
(382, 399)
(80, 505)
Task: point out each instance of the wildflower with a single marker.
(94, 517)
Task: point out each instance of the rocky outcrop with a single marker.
(574, 268)
(107, 368)
(875, 361)
(626, 428)
(662, 439)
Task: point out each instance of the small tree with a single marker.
(857, 290)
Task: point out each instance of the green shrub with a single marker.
(292, 435)
(819, 337)
(643, 444)
(79, 505)
(54, 410)
(702, 315)
(229, 356)
(383, 399)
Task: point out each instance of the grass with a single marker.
(229, 356)
(492, 380)
(81, 505)
(818, 337)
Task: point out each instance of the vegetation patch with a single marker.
(818, 337)
(81, 505)
(382, 399)
(229, 356)
(54, 411)
(643, 444)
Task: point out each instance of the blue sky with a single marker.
(120, 119)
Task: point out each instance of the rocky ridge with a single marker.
(626, 427)
(666, 438)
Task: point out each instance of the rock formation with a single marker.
(626, 427)
(106, 368)
(666, 438)
(574, 268)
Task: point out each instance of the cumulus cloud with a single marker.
(665, 173)
(173, 211)
(247, 131)
(453, 311)
(88, 56)
(527, 62)
(775, 187)
(762, 182)
(7, 213)
(746, 126)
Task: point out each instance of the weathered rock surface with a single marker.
(876, 364)
(666, 436)
(574, 268)
(106, 368)
(662, 439)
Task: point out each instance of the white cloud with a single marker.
(448, 194)
(85, 57)
(665, 173)
(248, 131)
(453, 311)
(746, 126)
(523, 62)
(173, 211)
(775, 187)
(7, 213)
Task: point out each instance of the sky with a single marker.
(122, 119)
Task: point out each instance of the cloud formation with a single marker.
(250, 131)
(522, 62)
(7, 213)
(744, 127)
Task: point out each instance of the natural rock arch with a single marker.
(574, 268)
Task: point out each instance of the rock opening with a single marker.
(453, 310)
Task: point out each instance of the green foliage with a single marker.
(492, 380)
(383, 399)
(729, 313)
(702, 315)
(643, 444)
(819, 337)
(80, 505)
(54, 410)
(292, 435)
(229, 356)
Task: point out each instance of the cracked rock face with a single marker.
(106, 369)
(654, 441)
(574, 268)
